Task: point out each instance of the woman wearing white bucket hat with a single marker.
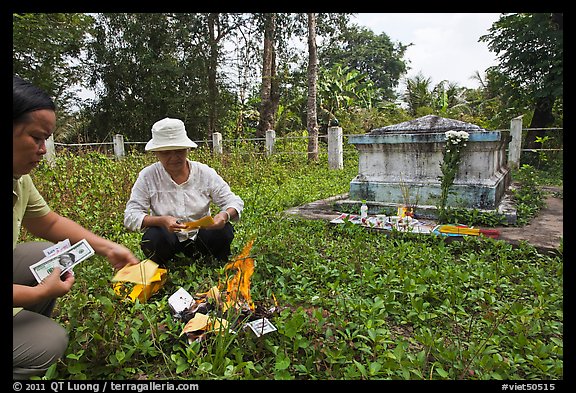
(169, 134)
(176, 190)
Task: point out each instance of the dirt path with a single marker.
(545, 231)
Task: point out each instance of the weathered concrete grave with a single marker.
(399, 165)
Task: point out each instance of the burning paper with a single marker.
(203, 313)
(240, 282)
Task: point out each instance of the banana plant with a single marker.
(343, 87)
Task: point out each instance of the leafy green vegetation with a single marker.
(351, 303)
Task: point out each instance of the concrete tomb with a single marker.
(400, 165)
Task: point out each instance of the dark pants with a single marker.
(38, 341)
(160, 245)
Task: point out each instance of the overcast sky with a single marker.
(445, 45)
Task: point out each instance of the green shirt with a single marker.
(26, 202)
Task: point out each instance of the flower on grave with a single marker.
(455, 141)
(456, 137)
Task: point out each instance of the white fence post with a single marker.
(515, 145)
(335, 154)
(270, 138)
(50, 150)
(217, 143)
(118, 145)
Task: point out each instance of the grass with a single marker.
(351, 304)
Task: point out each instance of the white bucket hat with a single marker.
(169, 134)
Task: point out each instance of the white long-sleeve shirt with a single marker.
(155, 193)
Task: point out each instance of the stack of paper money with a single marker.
(61, 255)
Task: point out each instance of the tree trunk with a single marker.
(212, 67)
(266, 105)
(311, 118)
(274, 91)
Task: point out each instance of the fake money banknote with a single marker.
(66, 260)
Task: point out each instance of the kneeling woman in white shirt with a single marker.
(175, 190)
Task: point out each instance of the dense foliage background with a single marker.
(241, 74)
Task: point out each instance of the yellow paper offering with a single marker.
(143, 291)
(201, 223)
(141, 273)
(199, 322)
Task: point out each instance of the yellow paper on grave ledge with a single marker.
(141, 273)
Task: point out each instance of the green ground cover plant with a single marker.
(351, 303)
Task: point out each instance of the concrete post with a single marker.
(270, 139)
(50, 150)
(515, 145)
(335, 153)
(118, 145)
(217, 143)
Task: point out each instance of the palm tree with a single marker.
(418, 94)
(445, 99)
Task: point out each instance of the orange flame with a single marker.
(241, 280)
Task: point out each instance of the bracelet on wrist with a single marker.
(228, 215)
